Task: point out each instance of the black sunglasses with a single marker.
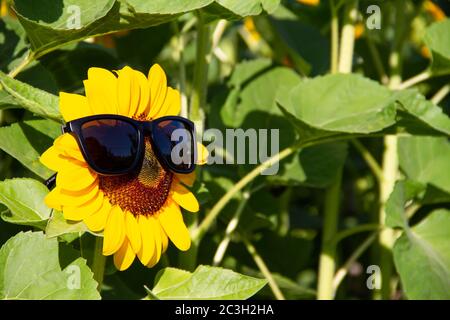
(114, 144)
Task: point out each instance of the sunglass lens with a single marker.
(110, 144)
(175, 142)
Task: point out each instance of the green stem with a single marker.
(327, 260)
(425, 75)
(348, 37)
(334, 37)
(358, 229)
(264, 270)
(22, 65)
(232, 225)
(98, 262)
(440, 94)
(187, 260)
(377, 61)
(200, 83)
(342, 272)
(386, 237)
(370, 160)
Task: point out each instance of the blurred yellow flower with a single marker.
(309, 2)
(434, 10)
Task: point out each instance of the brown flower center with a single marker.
(143, 192)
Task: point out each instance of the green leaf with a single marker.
(30, 269)
(209, 283)
(35, 100)
(27, 140)
(13, 46)
(237, 9)
(426, 160)
(437, 39)
(258, 95)
(424, 110)
(316, 166)
(422, 257)
(58, 226)
(50, 26)
(25, 201)
(403, 192)
(345, 103)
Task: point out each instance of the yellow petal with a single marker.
(124, 93)
(101, 91)
(171, 105)
(68, 145)
(75, 179)
(124, 257)
(73, 106)
(184, 198)
(78, 213)
(144, 97)
(202, 154)
(114, 233)
(158, 242)
(164, 238)
(52, 199)
(52, 159)
(173, 224)
(148, 240)
(96, 222)
(158, 88)
(187, 179)
(132, 231)
(77, 198)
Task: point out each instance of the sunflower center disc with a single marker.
(143, 192)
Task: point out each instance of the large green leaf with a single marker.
(426, 160)
(30, 269)
(58, 226)
(25, 200)
(27, 140)
(424, 111)
(35, 100)
(343, 103)
(422, 257)
(210, 283)
(13, 46)
(50, 26)
(403, 192)
(437, 39)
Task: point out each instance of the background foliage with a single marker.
(364, 178)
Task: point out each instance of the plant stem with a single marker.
(348, 37)
(200, 83)
(264, 270)
(342, 272)
(22, 65)
(334, 37)
(181, 70)
(370, 160)
(386, 237)
(232, 225)
(384, 79)
(327, 258)
(358, 229)
(425, 75)
(98, 262)
(187, 260)
(440, 95)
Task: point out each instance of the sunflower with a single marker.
(137, 212)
